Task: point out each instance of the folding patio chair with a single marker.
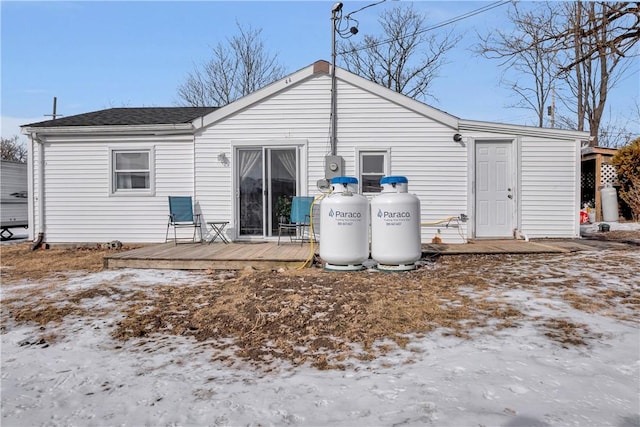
(181, 216)
(299, 219)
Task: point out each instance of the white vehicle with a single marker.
(13, 197)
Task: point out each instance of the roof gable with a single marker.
(324, 68)
(319, 67)
(398, 98)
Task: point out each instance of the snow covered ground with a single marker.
(593, 228)
(508, 377)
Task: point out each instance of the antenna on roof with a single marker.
(55, 104)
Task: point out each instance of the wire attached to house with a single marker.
(363, 8)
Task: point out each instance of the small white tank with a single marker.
(395, 226)
(609, 199)
(344, 226)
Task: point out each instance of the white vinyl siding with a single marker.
(549, 188)
(78, 202)
(419, 148)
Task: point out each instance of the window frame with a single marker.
(113, 181)
(361, 153)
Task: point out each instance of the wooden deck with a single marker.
(492, 247)
(268, 255)
(538, 246)
(216, 256)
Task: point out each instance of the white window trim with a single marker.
(372, 150)
(151, 191)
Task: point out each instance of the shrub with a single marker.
(627, 163)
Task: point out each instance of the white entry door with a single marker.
(494, 201)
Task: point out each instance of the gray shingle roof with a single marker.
(130, 116)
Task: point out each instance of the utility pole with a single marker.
(552, 108)
(346, 32)
(334, 100)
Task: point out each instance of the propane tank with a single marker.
(395, 226)
(609, 199)
(344, 226)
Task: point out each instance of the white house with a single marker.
(106, 175)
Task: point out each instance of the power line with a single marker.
(363, 8)
(431, 28)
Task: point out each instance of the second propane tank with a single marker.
(395, 226)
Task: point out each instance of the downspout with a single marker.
(41, 228)
(197, 207)
(519, 235)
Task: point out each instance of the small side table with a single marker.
(216, 229)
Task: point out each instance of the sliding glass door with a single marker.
(264, 175)
(251, 186)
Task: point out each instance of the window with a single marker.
(373, 166)
(132, 171)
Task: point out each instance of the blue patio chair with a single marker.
(299, 220)
(181, 216)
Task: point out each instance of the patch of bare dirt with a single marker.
(20, 262)
(302, 317)
(629, 235)
(568, 333)
(620, 235)
(317, 317)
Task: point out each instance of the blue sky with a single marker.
(94, 55)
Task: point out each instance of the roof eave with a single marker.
(162, 129)
(479, 126)
(599, 150)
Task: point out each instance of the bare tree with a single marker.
(237, 68)
(405, 58)
(595, 48)
(524, 51)
(614, 135)
(587, 45)
(611, 26)
(12, 149)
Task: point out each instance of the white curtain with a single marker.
(288, 160)
(248, 160)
